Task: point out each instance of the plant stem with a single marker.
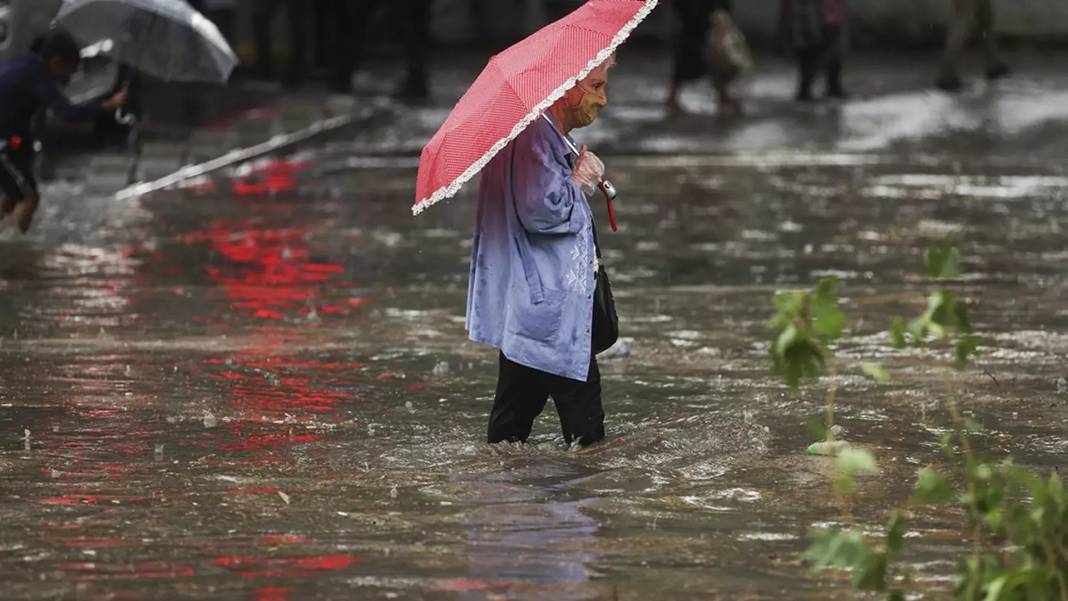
(969, 459)
(832, 394)
(1051, 559)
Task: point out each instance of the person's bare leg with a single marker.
(24, 211)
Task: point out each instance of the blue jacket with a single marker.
(25, 89)
(532, 262)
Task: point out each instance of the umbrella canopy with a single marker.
(166, 39)
(516, 87)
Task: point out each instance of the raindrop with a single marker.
(26, 439)
(409, 406)
(209, 419)
(1062, 385)
(55, 429)
(441, 368)
(313, 316)
(127, 371)
(284, 496)
(159, 451)
(393, 493)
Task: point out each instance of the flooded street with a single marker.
(260, 387)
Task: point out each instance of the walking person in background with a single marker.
(29, 84)
(817, 31)
(695, 18)
(296, 12)
(412, 18)
(969, 16)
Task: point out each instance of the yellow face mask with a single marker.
(589, 106)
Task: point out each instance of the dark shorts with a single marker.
(16, 177)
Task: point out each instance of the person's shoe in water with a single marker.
(949, 83)
(998, 71)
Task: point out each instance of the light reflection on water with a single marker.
(271, 396)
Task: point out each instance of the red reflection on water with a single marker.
(271, 274)
(288, 567)
(72, 499)
(269, 176)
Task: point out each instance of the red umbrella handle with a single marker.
(609, 192)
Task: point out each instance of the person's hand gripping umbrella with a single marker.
(516, 88)
(589, 173)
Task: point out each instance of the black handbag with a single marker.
(605, 320)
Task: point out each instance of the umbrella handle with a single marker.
(609, 192)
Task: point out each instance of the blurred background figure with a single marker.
(408, 18)
(817, 31)
(728, 57)
(691, 45)
(969, 16)
(296, 20)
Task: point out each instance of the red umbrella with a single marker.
(516, 87)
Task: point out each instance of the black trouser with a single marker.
(16, 176)
(412, 19)
(827, 56)
(296, 24)
(521, 396)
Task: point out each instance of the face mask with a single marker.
(589, 107)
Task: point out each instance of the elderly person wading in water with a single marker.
(534, 272)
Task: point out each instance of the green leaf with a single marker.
(875, 372)
(832, 548)
(895, 533)
(850, 463)
(931, 487)
(785, 340)
(829, 324)
(870, 573)
(966, 347)
(996, 588)
(943, 260)
(897, 333)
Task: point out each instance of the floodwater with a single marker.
(259, 387)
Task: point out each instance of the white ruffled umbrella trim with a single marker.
(450, 190)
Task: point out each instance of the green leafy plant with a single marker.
(805, 322)
(1017, 520)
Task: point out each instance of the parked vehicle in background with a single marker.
(21, 21)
